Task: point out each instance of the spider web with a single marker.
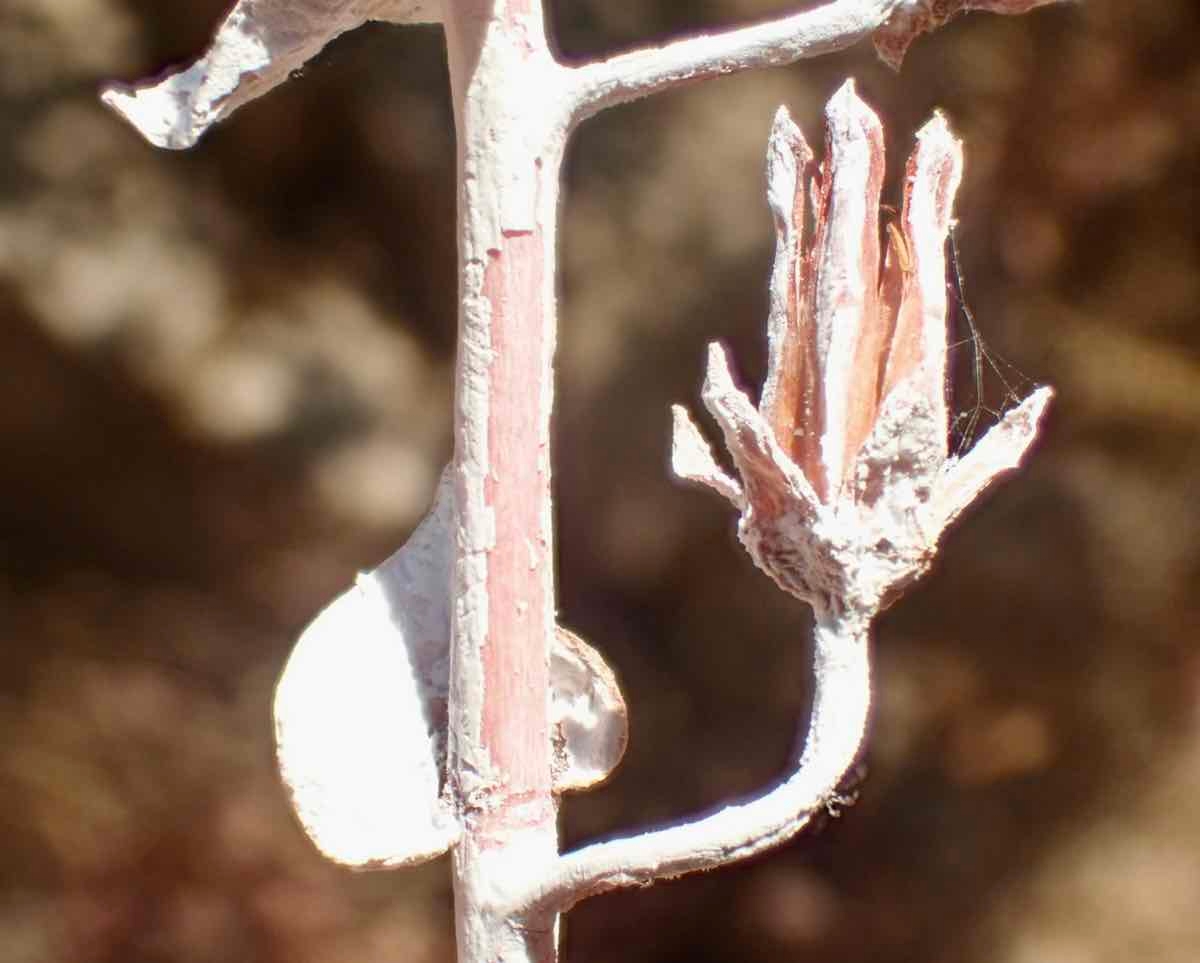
(981, 385)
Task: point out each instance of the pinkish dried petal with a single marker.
(791, 394)
(918, 349)
(849, 336)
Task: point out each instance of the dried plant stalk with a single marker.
(474, 711)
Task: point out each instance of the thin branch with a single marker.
(775, 43)
(841, 702)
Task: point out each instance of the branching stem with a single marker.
(773, 43)
(515, 106)
(841, 703)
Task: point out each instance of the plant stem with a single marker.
(841, 705)
(771, 43)
(510, 146)
(514, 108)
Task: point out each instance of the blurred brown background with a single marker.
(225, 386)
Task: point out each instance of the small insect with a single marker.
(841, 799)
(846, 794)
(897, 243)
(899, 247)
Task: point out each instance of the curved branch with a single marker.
(841, 703)
(626, 77)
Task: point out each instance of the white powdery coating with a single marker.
(475, 532)
(884, 540)
(512, 126)
(349, 664)
(849, 554)
(255, 49)
(936, 170)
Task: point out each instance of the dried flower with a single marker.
(846, 478)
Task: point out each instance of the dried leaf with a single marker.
(360, 710)
(257, 47)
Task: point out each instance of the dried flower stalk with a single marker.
(845, 483)
(436, 704)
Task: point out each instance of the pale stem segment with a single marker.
(510, 147)
(841, 704)
(774, 43)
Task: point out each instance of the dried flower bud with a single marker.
(846, 479)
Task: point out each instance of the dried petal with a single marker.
(791, 394)
(918, 348)
(849, 334)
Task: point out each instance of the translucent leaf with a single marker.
(360, 711)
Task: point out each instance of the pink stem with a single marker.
(510, 150)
